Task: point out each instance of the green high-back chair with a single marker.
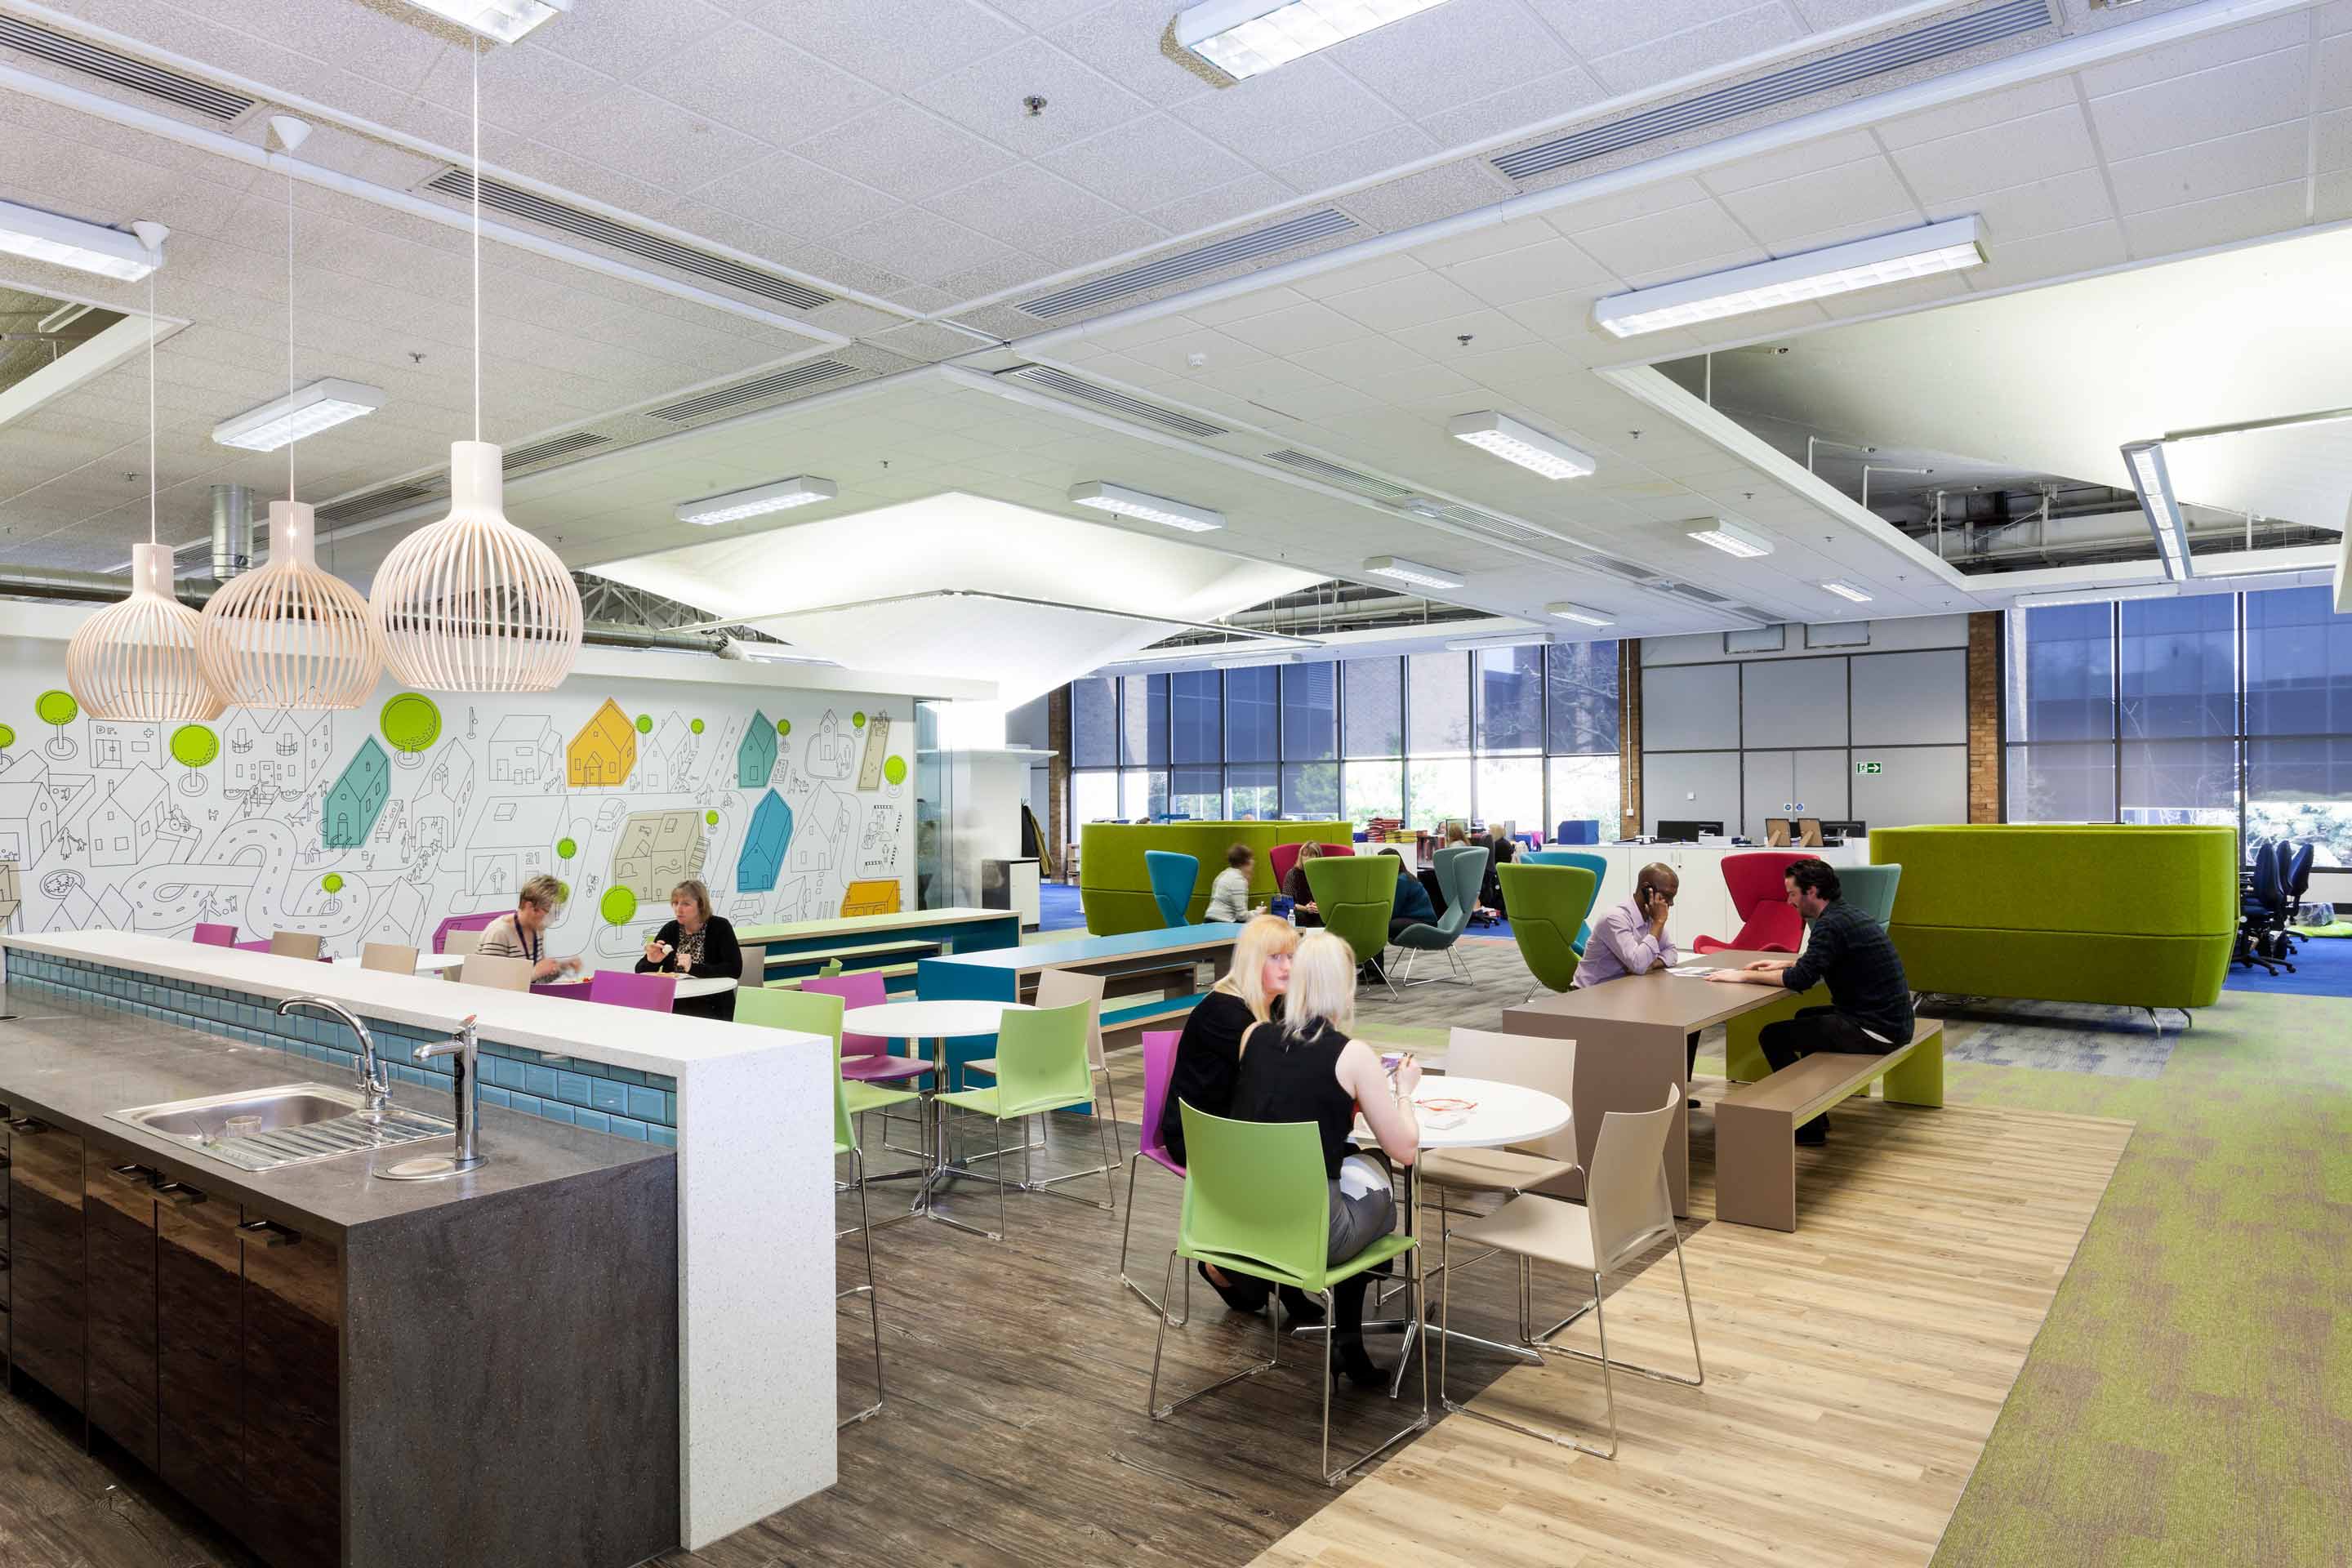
(1042, 1065)
(1871, 889)
(1172, 877)
(1548, 906)
(1256, 1202)
(1592, 863)
(1461, 872)
(815, 1014)
(1356, 897)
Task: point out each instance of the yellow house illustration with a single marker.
(605, 749)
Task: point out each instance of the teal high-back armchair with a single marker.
(1461, 872)
(1173, 875)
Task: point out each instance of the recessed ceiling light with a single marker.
(1844, 590)
(1508, 639)
(282, 421)
(1517, 443)
(1815, 274)
(782, 496)
(500, 21)
(1126, 502)
(1250, 660)
(1244, 37)
(1402, 571)
(1731, 539)
(2052, 601)
(2153, 480)
(1568, 611)
(70, 242)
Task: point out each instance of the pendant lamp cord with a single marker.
(475, 51)
(290, 313)
(150, 407)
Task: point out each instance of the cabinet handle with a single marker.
(270, 1231)
(179, 1193)
(29, 1125)
(134, 1175)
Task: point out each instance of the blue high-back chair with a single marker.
(1592, 863)
(1173, 875)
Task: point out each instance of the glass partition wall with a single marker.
(1526, 733)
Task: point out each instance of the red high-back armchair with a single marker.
(1283, 856)
(1760, 892)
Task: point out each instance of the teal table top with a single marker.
(1094, 948)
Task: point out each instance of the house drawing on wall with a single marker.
(357, 797)
(520, 751)
(125, 745)
(121, 828)
(755, 754)
(28, 815)
(605, 751)
(513, 842)
(656, 850)
(763, 855)
(676, 742)
(827, 756)
(283, 751)
(439, 808)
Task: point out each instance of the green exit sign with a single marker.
(1870, 767)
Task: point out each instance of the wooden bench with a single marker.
(1756, 1124)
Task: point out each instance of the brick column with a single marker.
(1629, 738)
(1057, 776)
(1986, 794)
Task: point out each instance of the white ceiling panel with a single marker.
(2272, 155)
(2208, 104)
(1710, 46)
(986, 96)
(1154, 154)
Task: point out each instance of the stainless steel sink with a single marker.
(298, 1122)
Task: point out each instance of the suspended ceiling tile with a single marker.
(1711, 45)
(757, 83)
(896, 44)
(1206, 210)
(1452, 53)
(2055, 141)
(2022, 211)
(1309, 106)
(1514, 109)
(1997, 108)
(987, 97)
(2212, 104)
(1023, 204)
(1121, 39)
(1853, 195)
(905, 151)
(2201, 53)
(1383, 149)
(620, 39)
(1686, 240)
(2207, 169)
(2193, 225)
(1156, 154)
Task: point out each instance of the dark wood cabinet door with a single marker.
(293, 1429)
(46, 1294)
(119, 1221)
(200, 1352)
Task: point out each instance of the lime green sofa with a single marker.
(1117, 891)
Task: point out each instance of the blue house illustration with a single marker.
(755, 758)
(358, 797)
(763, 844)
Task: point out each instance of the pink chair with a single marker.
(261, 946)
(867, 1058)
(1159, 1067)
(622, 988)
(1759, 895)
(218, 936)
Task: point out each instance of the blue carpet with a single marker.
(1058, 908)
(2323, 967)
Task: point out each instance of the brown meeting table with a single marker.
(1629, 1036)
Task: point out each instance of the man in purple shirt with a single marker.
(1632, 939)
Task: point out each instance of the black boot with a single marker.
(1299, 1311)
(1354, 1365)
(1240, 1293)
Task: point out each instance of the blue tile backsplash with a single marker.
(620, 1100)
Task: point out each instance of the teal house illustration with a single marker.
(764, 846)
(358, 797)
(755, 758)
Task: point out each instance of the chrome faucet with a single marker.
(466, 1046)
(375, 1082)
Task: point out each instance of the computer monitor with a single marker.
(1688, 832)
(1837, 832)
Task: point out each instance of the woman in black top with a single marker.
(698, 944)
(1308, 1070)
(1209, 1052)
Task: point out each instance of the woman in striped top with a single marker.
(523, 935)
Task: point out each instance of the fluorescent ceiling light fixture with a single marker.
(749, 652)
(1245, 37)
(2153, 480)
(63, 316)
(782, 496)
(1398, 569)
(2052, 601)
(1731, 539)
(282, 421)
(1511, 639)
(70, 242)
(1814, 275)
(1567, 612)
(1845, 590)
(500, 21)
(1246, 660)
(1126, 502)
(1523, 445)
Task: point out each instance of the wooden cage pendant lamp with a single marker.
(288, 635)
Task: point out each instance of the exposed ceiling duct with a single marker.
(231, 531)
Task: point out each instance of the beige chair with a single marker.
(1626, 1210)
(1060, 988)
(500, 973)
(388, 956)
(294, 944)
(462, 942)
(755, 966)
(1531, 1063)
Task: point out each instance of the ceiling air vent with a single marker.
(217, 103)
(375, 503)
(1901, 52)
(793, 378)
(1624, 569)
(1332, 473)
(516, 202)
(1698, 595)
(1484, 523)
(1240, 247)
(1068, 385)
(553, 447)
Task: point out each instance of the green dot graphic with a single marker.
(333, 881)
(565, 849)
(618, 906)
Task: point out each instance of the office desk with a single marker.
(800, 947)
(1629, 1038)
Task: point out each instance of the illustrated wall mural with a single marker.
(379, 824)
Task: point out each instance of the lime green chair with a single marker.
(1548, 905)
(1356, 897)
(1256, 1202)
(819, 1014)
(1041, 1066)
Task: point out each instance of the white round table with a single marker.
(436, 962)
(935, 1022)
(702, 985)
(1500, 1115)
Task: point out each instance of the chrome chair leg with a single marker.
(1126, 1229)
(872, 1297)
(1152, 1405)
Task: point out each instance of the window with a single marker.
(1437, 704)
(2177, 670)
(1374, 708)
(1143, 722)
(1311, 712)
(1582, 693)
(1142, 793)
(1250, 792)
(2299, 704)
(1585, 788)
(1372, 789)
(2063, 687)
(1192, 707)
(1310, 789)
(1437, 789)
(1093, 722)
(1093, 796)
(1197, 792)
(1511, 789)
(1510, 704)
(1251, 714)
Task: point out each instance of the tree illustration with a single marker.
(895, 770)
(858, 720)
(7, 739)
(645, 723)
(783, 726)
(565, 849)
(57, 709)
(619, 906)
(696, 726)
(333, 884)
(411, 722)
(193, 747)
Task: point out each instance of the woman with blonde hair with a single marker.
(696, 942)
(523, 935)
(1306, 1068)
(1209, 1052)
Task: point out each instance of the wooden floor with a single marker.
(1854, 1369)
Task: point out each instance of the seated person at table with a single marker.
(1306, 1068)
(1229, 894)
(523, 935)
(696, 942)
(1632, 939)
(1870, 1001)
(1500, 847)
(1294, 887)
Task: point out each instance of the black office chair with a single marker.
(2261, 914)
(2296, 875)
